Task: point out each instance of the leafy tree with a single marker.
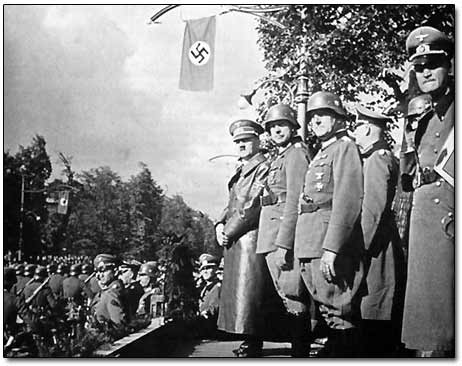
(98, 215)
(33, 164)
(348, 48)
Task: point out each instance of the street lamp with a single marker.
(22, 171)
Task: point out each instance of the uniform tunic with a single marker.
(380, 233)
(428, 322)
(56, 284)
(278, 219)
(209, 299)
(74, 288)
(245, 275)
(108, 304)
(329, 220)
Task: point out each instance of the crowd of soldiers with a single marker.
(107, 291)
(321, 230)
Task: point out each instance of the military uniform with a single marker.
(209, 299)
(56, 282)
(245, 276)
(428, 322)
(74, 289)
(133, 292)
(10, 309)
(108, 304)
(94, 286)
(381, 308)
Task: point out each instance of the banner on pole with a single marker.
(198, 54)
(63, 202)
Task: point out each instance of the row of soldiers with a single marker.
(109, 291)
(324, 224)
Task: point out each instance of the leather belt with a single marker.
(270, 200)
(313, 207)
(426, 176)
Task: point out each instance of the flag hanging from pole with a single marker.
(63, 202)
(198, 54)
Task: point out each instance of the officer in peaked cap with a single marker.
(384, 255)
(431, 232)
(244, 282)
(425, 41)
(128, 272)
(327, 241)
(108, 305)
(209, 298)
(279, 215)
(244, 128)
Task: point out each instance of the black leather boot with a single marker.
(250, 348)
(300, 326)
(345, 343)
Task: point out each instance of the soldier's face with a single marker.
(247, 147)
(105, 275)
(208, 273)
(144, 280)
(323, 122)
(432, 75)
(281, 132)
(360, 135)
(126, 276)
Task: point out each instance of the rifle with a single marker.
(89, 278)
(37, 290)
(28, 283)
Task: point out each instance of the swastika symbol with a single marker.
(199, 53)
(63, 202)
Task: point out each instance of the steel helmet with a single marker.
(325, 100)
(148, 269)
(280, 112)
(62, 268)
(19, 268)
(40, 273)
(9, 276)
(29, 270)
(420, 105)
(51, 268)
(75, 269)
(87, 268)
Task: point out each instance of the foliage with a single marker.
(347, 47)
(32, 163)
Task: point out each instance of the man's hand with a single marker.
(222, 238)
(282, 258)
(327, 265)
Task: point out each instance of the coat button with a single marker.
(450, 214)
(438, 183)
(436, 200)
(437, 134)
(435, 151)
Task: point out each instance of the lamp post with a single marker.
(22, 170)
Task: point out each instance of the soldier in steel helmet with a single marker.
(56, 280)
(327, 235)
(147, 277)
(428, 320)
(381, 308)
(74, 290)
(10, 309)
(278, 218)
(245, 276)
(21, 280)
(107, 305)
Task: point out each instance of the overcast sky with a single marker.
(101, 85)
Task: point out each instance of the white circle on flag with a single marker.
(63, 202)
(199, 53)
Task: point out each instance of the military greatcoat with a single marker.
(428, 321)
(245, 274)
(381, 238)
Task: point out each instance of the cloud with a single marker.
(101, 85)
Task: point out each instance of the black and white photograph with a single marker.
(229, 181)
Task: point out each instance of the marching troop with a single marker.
(313, 238)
